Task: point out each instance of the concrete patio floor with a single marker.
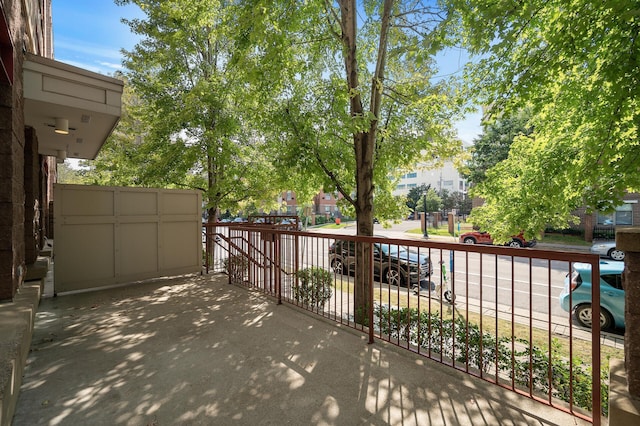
(198, 351)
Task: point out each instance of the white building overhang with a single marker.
(89, 102)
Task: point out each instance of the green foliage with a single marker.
(236, 266)
(493, 145)
(455, 200)
(322, 117)
(414, 196)
(314, 287)
(526, 364)
(574, 64)
(321, 220)
(417, 202)
(69, 175)
(191, 123)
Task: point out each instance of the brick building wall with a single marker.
(20, 164)
(12, 254)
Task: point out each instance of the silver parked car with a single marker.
(608, 249)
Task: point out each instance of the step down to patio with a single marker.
(16, 328)
(38, 270)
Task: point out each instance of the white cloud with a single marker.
(85, 49)
(111, 65)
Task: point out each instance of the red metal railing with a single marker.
(504, 324)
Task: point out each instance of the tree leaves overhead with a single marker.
(382, 98)
(196, 103)
(494, 144)
(576, 64)
(249, 96)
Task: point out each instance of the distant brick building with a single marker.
(324, 204)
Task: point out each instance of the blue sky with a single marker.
(89, 35)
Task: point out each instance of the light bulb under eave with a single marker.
(62, 126)
(61, 156)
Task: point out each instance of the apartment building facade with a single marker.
(443, 178)
(324, 204)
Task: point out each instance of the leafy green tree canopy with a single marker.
(363, 107)
(196, 103)
(493, 145)
(575, 64)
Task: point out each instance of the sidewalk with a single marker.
(195, 350)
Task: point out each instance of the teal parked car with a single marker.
(578, 284)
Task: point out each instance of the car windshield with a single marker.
(390, 249)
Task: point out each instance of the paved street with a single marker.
(496, 273)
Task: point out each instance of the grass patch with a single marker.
(574, 240)
(441, 231)
(332, 226)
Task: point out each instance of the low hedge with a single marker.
(515, 359)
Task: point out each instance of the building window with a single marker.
(401, 186)
(327, 196)
(412, 185)
(411, 175)
(327, 209)
(288, 195)
(448, 183)
(622, 216)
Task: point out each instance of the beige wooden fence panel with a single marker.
(106, 236)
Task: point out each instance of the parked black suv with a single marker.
(394, 264)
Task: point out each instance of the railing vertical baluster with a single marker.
(571, 366)
(530, 331)
(442, 272)
(370, 301)
(480, 343)
(513, 322)
(278, 267)
(497, 349)
(453, 310)
(595, 342)
(549, 342)
(466, 319)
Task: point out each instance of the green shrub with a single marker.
(236, 266)
(455, 339)
(313, 286)
(321, 220)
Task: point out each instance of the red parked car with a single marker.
(478, 237)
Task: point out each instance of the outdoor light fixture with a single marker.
(61, 156)
(62, 126)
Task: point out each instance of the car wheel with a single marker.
(515, 243)
(337, 266)
(583, 316)
(616, 254)
(394, 277)
(469, 240)
(449, 296)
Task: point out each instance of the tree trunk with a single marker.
(364, 219)
(364, 145)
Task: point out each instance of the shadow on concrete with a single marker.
(196, 350)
